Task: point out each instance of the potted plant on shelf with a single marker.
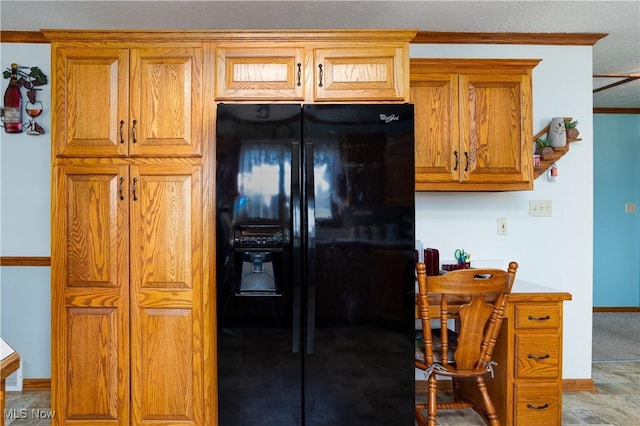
(544, 148)
(572, 131)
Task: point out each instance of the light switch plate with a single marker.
(540, 208)
(502, 226)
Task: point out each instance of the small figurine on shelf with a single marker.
(572, 131)
(557, 132)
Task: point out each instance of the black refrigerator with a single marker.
(315, 264)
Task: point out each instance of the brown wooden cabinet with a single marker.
(527, 385)
(259, 73)
(115, 100)
(131, 230)
(359, 74)
(527, 388)
(535, 372)
(473, 124)
(314, 67)
(127, 293)
(133, 199)
(90, 295)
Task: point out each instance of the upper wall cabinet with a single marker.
(315, 67)
(473, 124)
(364, 73)
(112, 100)
(259, 73)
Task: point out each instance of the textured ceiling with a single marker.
(618, 53)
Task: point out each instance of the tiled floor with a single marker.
(617, 402)
(28, 408)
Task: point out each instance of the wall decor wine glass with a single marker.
(33, 110)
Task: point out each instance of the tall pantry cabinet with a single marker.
(131, 232)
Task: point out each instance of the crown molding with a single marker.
(422, 37)
(22, 37)
(563, 39)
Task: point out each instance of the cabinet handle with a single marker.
(133, 131)
(299, 74)
(121, 131)
(120, 188)
(538, 407)
(531, 356)
(466, 155)
(455, 168)
(545, 318)
(133, 189)
(321, 74)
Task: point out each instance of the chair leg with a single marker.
(455, 387)
(489, 409)
(432, 402)
(420, 420)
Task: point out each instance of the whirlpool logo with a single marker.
(388, 118)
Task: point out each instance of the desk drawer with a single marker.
(537, 404)
(539, 315)
(537, 355)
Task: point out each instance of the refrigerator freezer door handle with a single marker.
(297, 254)
(310, 246)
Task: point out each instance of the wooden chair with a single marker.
(476, 299)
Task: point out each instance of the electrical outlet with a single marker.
(629, 207)
(502, 226)
(540, 208)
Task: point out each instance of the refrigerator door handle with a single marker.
(296, 255)
(310, 246)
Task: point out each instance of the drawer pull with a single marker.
(538, 407)
(531, 356)
(532, 318)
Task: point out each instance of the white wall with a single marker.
(556, 251)
(24, 223)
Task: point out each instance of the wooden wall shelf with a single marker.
(558, 153)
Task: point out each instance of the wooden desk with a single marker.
(9, 362)
(527, 388)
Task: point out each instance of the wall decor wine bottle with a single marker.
(13, 104)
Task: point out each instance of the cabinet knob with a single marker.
(455, 153)
(321, 75)
(299, 74)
